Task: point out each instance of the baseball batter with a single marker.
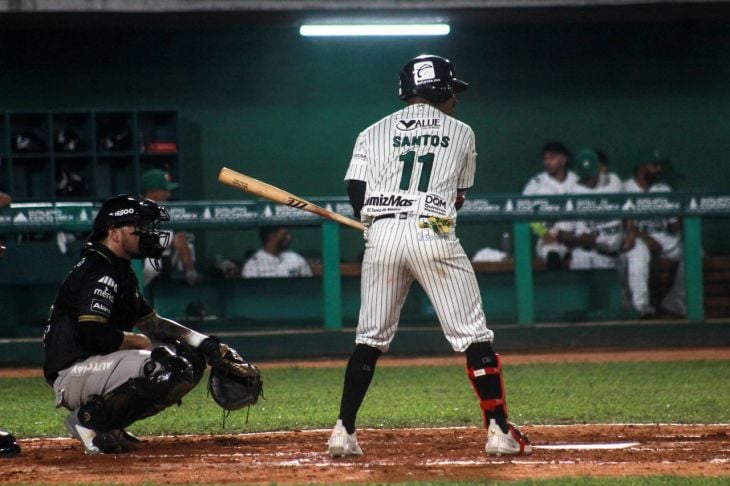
(408, 175)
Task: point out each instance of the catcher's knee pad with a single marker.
(484, 369)
(166, 379)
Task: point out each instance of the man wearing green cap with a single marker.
(651, 237)
(157, 186)
(594, 243)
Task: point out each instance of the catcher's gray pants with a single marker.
(97, 375)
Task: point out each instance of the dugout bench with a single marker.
(29, 280)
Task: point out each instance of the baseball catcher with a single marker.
(105, 373)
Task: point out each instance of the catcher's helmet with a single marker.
(145, 215)
(430, 77)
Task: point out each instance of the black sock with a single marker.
(499, 418)
(359, 374)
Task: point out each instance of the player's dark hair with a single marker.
(266, 231)
(602, 157)
(554, 146)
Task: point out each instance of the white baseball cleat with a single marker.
(93, 442)
(514, 442)
(343, 444)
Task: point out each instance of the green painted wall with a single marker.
(287, 109)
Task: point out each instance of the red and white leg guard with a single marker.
(488, 385)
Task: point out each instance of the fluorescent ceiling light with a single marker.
(355, 30)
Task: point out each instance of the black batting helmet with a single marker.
(430, 77)
(129, 210)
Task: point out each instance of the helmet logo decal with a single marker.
(122, 212)
(423, 72)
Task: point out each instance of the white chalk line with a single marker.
(590, 446)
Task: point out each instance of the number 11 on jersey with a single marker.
(408, 160)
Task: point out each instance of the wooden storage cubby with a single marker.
(85, 154)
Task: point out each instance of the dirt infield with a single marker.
(395, 455)
(390, 455)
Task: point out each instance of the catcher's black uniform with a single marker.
(98, 300)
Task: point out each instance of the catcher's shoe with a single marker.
(8, 445)
(94, 442)
(343, 444)
(127, 441)
(514, 442)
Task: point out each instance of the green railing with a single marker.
(520, 210)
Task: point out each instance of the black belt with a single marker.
(395, 215)
(384, 216)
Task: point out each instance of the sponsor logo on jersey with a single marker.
(420, 141)
(435, 205)
(108, 281)
(389, 201)
(81, 369)
(100, 307)
(104, 294)
(423, 72)
(408, 125)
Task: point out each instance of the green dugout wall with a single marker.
(287, 109)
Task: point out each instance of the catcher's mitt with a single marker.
(234, 382)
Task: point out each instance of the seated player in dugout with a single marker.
(410, 215)
(104, 373)
(556, 179)
(274, 258)
(592, 243)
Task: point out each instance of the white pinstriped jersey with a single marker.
(412, 162)
(657, 228)
(544, 185)
(609, 232)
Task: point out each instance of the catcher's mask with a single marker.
(430, 77)
(145, 215)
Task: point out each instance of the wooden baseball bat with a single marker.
(248, 184)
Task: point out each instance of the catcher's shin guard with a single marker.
(167, 378)
(484, 369)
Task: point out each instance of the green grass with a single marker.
(296, 398)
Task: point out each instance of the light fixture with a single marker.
(356, 30)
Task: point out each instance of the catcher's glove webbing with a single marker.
(234, 383)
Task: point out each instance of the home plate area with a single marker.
(391, 455)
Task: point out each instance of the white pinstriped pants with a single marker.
(397, 252)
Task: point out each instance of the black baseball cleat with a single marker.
(128, 442)
(8, 445)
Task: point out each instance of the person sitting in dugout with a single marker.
(106, 374)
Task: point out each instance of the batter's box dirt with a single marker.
(390, 455)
